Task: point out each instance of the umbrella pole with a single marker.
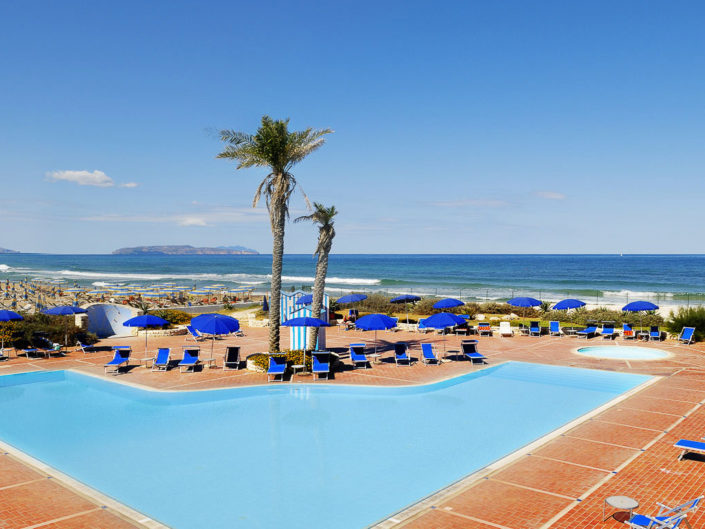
(146, 335)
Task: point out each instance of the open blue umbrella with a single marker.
(569, 303)
(215, 324)
(375, 322)
(305, 321)
(8, 315)
(304, 300)
(639, 306)
(352, 298)
(443, 320)
(144, 321)
(406, 298)
(524, 302)
(65, 310)
(447, 303)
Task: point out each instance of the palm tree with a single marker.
(279, 149)
(323, 217)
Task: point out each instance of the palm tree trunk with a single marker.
(319, 284)
(277, 218)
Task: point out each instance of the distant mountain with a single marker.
(5, 250)
(185, 250)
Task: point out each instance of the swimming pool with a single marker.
(623, 352)
(290, 455)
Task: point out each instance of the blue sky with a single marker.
(468, 127)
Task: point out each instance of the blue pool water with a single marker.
(289, 455)
(623, 352)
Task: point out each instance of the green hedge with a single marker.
(687, 317)
(261, 360)
(175, 317)
(21, 334)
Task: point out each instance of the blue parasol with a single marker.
(144, 321)
(375, 322)
(569, 303)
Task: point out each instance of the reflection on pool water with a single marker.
(623, 352)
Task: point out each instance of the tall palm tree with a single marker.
(323, 217)
(279, 149)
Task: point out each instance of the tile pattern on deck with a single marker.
(626, 449)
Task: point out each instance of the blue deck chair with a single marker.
(554, 328)
(628, 332)
(357, 355)
(277, 368)
(608, 331)
(194, 334)
(421, 327)
(161, 361)
(687, 446)
(190, 359)
(534, 329)
(687, 335)
(666, 518)
(86, 348)
(484, 328)
(321, 364)
(121, 358)
(588, 332)
(427, 354)
(655, 333)
(401, 354)
(470, 352)
(231, 360)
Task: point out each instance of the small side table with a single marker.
(621, 503)
(295, 368)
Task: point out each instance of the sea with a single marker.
(596, 279)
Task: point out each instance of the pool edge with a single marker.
(453, 489)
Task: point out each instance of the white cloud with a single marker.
(480, 203)
(207, 217)
(192, 221)
(82, 178)
(86, 178)
(550, 195)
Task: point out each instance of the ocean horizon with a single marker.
(598, 279)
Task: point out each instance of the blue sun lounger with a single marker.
(321, 364)
(687, 335)
(655, 333)
(427, 354)
(588, 332)
(121, 358)
(195, 335)
(277, 368)
(357, 355)
(666, 518)
(190, 359)
(628, 332)
(534, 329)
(401, 354)
(607, 331)
(161, 361)
(687, 446)
(470, 352)
(554, 328)
(86, 348)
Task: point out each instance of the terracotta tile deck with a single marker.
(627, 449)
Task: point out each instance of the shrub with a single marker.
(23, 334)
(295, 357)
(687, 317)
(175, 317)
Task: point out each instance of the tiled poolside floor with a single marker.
(627, 449)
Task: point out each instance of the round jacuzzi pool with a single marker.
(623, 352)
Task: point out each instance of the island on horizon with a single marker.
(185, 250)
(5, 250)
